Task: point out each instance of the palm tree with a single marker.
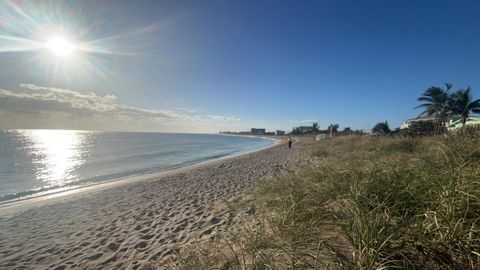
(381, 128)
(461, 104)
(435, 103)
(334, 127)
(296, 130)
(315, 127)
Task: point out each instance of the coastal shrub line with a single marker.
(375, 202)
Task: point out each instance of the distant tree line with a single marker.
(315, 129)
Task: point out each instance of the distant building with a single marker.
(280, 132)
(456, 122)
(407, 123)
(258, 131)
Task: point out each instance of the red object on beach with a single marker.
(330, 131)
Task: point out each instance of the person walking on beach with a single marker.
(290, 141)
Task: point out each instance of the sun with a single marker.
(60, 46)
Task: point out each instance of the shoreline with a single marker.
(141, 223)
(10, 207)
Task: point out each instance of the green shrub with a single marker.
(421, 128)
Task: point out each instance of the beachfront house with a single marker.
(258, 131)
(456, 122)
(407, 123)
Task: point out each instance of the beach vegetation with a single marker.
(421, 128)
(348, 131)
(373, 202)
(296, 131)
(381, 128)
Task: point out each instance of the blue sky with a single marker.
(239, 64)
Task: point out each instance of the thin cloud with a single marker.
(34, 102)
(303, 121)
(190, 110)
(224, 118)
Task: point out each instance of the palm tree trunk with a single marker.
(438, 126)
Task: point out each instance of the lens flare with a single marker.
(60, 46)
(85, 54)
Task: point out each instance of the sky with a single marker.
(206, 66)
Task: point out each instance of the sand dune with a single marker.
(132, 226)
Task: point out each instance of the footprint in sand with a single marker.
(113, 246)
(141, 245)
(147, 236)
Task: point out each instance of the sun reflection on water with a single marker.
(56, 154)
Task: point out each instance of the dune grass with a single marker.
(373, 203)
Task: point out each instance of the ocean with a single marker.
(40, 162)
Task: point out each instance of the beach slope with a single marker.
(134, 225)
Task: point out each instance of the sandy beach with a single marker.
(136, 225)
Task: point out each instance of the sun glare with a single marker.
(60, 46)
(57, 154)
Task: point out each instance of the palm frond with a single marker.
(423, 98)
(474, 105)
(424, 105)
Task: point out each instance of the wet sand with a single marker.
(135, 225)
